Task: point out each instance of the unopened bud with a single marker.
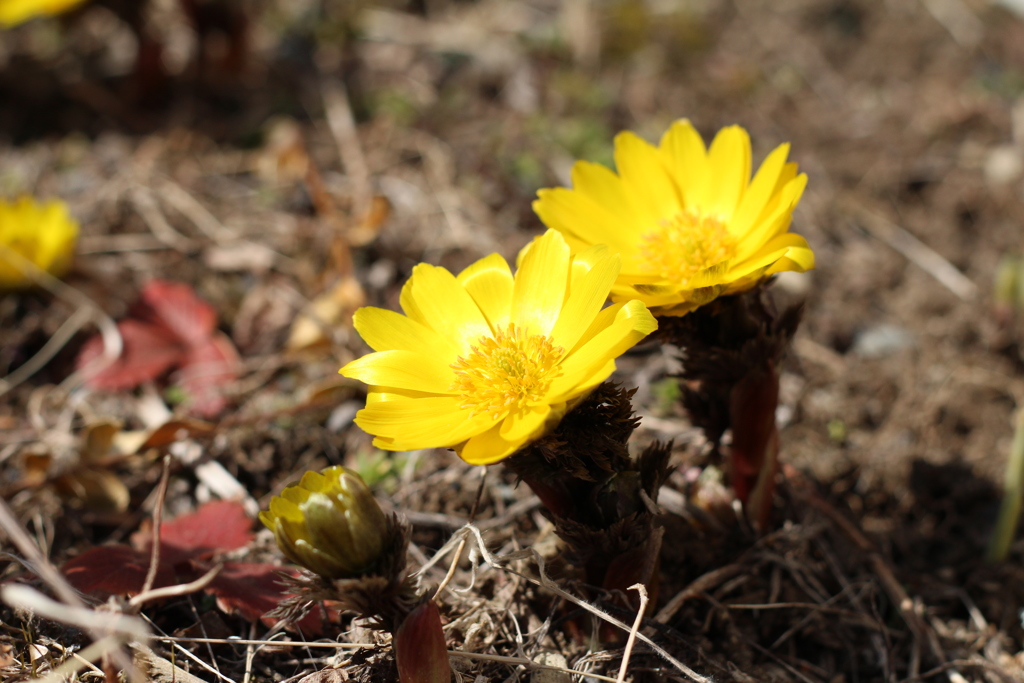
(420, 650)
(329, 523)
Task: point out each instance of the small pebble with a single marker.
(881, 341)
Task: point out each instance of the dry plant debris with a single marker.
(360, 138)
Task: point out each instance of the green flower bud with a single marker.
(329, 523)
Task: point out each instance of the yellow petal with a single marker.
(295, 494)
(760, 191)
(489, 281)
(283, 508)
(314, 481)
(487, 448)
(540, 284)
(403, 370)
(632, 323)
(686, 158)
(604, 318)
(774, 224)
(585, 302)
(773, 251)
(729, 160)
(377, 394)
(521, 426)
(436, 422)
(798, 259)
(385, 330)
(580, 215)
(789, 172)
(583, 262)
(606, 190)
(654, 196)
(433, 297)
(13, 12)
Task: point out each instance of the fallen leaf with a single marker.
(246, 588)
(113, 570)
(99, 439)
(35, 468)
(175, 306)
(249, 589)
(253, 589)
(206, 370)
(171, 327)
(176, 430)
(215, 527)
(365, 230)
(149, 351)
(94, 489)
(312, 328)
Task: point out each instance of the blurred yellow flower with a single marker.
(13, 12)
(328, 523)
(41, 233)
(689, 222)
(486, 362)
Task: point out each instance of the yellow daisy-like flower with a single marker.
(13, 12)
(486, 362)
(42, 233)
(689, 222)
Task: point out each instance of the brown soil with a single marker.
(898, 393)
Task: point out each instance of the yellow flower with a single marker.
(43, 234)
(486, 362)
(13, 12)
(689, 222)
(328, 523)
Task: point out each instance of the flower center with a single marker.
(506, 371)
(687, 247)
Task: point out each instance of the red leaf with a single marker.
(176, 306)
(252, 590)
(113, 570)
(148, 352)
(206, 370)
(215, 527)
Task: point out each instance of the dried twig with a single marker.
(84, 306)
(504, 562)
(917, 252)
(146, 205)
(920, 629)
(176, 590)
(628, 651)
(186, 652)
(462, 545)
(346, 136)
(698, 586)
(158, 516)
(111, 623)
(957, 18)
(46, 571)
(192, 208)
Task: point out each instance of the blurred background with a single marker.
(292, 158)
(431, 124)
